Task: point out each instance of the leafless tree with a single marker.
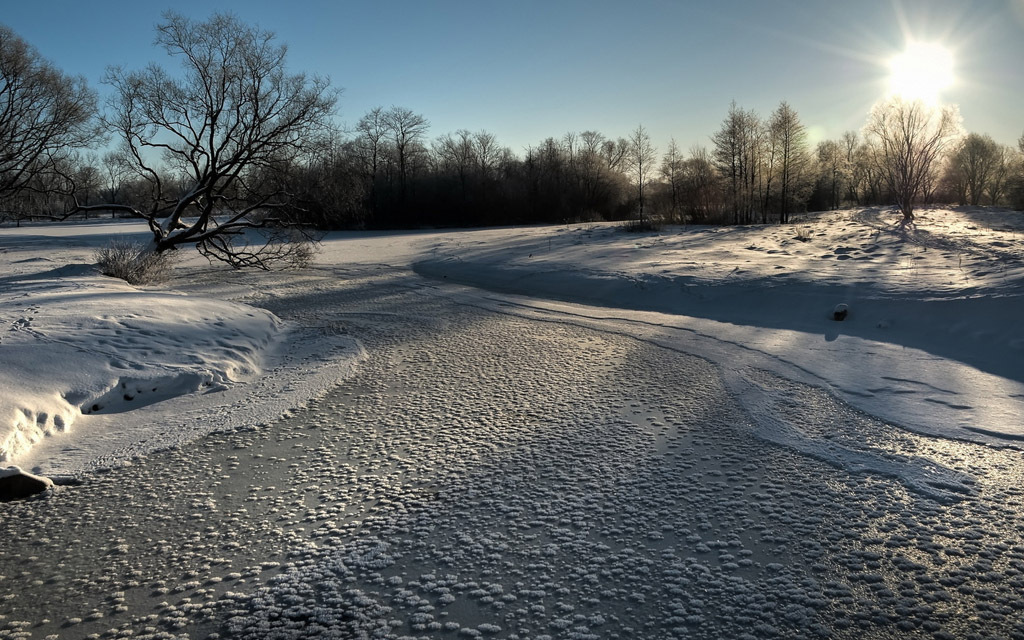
(87, 179)
(570, 152)
(1002, 172)
(328, 183)
(642, 156)
(671, 171)
(615, 153)
(593, 171)
(45, 116)
(702, 188)
(116, 170)
(371, 146)
(737, 156)
(769, 160)
(790, 136)
(867, 174)
(232, 116)
(911, 137)
(457, 154)
(487, 153)
(831, 161)
(1015, 179)
(932, 180)
(973, 165)
(407, 130)
(850, 143)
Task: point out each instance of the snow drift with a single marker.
(86, 344)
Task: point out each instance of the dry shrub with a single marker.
(133, 263)
(642, 226)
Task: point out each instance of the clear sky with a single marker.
(526, 70)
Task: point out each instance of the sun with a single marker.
(921, 72)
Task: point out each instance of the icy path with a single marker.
(511, 475)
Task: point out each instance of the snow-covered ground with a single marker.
(561, 432)
(94, 370)
(932, 342)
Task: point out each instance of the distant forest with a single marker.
(388, 171)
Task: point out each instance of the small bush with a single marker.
(803, 234)
(131, 262)
(639, 226)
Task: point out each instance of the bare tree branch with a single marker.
(45, 116)
(233, 115)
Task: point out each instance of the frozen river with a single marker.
(493, 471)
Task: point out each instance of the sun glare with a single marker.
(921, 72)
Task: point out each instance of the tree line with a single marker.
(234, 142)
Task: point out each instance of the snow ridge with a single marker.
(779, 414)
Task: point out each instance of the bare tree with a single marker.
(770, 158)
(457, 153)
(791, 137)
(642, 156)
(45, 116)
(615, 153)
(488, 158)
(850, 143)
(330, 182)
(1015, 180)
(570, 152)
(1001, 173)
(737, 156)
(86, 178)
(867, 174)
(116, 170)
(371, 147)
(672, 173)
(487, 151)
(231, 117)
(831, 159)
(702, 189)
(407, 131)
(911, 137)
(974, 164)
(593, 171)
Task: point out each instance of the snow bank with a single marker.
(83, 353)
(86, 344)
(931, 340)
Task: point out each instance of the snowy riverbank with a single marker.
(95, 371)
(932, 341)
(519, 466)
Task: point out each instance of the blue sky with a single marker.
(526, 70)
